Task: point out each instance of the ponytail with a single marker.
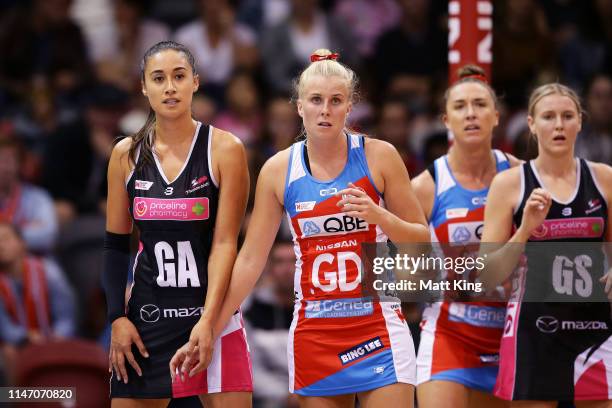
(144, 139)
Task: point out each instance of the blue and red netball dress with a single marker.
(339, 341)
(460, 340)
(176, 222)
(560, 350)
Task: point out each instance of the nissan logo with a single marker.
(547, 324)
(149, 313)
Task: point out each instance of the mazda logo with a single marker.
(547, 324)
(149, 313)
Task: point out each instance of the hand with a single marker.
(607, 280)
(535, 211)
(179, 358)
(123, 335)
(356, 203)
(196, 354)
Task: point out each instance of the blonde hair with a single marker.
(326, 68)
(552, 89)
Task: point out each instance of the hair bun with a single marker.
(323, 54)
(472, 71)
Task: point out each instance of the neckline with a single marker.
(450, 171)
(576, 188)
(344, 169)
(159, 166)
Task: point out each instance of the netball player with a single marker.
(553, 351)
(184, 185)
(458, 355)
(331, 186)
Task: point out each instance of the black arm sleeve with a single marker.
(114, 275)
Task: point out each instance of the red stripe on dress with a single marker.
(195, 385)
(592, 384)
(236, 367)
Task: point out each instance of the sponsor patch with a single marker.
(334, 308)
(362, 350)
(489, 358)
(333, 224)
(177, 209)
(305, 206)
(474, 315)
(142, 185)
(584, 227)
(465, 232)
(456, 213)
(328, 191)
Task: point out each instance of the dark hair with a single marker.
(471, 73)
(141, 138)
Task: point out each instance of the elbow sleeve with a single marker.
(114, 274)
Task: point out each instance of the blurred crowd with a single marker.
(70, 86)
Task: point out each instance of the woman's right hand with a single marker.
(123, 335)
(535, 211)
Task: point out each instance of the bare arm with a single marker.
(233, 176)
(425, 191)
(251, 260)
(119, 221)
(603, 177)
(403, 219)
(503, 195)
(249, 265)
(230, 168)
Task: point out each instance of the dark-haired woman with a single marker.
(184, 185)
(457, 361)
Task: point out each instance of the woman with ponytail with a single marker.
(184, 185)
(458, 355)
(330, 185)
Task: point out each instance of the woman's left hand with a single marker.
(356, 203)
(196, 354)
(607, 281)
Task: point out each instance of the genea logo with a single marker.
(333, 224)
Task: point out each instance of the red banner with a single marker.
(470, 36)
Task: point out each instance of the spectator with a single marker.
(282, 126)
(522, 50)
(78, 185)
(42, 42)
(595, 140)
(242, 116)
(394, 127)
(28, 207)
(219, 45)
(36, 301)
(369, 20)
(134, 35)
(286, 47)
(410, 55)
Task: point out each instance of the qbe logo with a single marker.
(333, 224)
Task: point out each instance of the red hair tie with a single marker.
(479, 77)
(316, 57)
